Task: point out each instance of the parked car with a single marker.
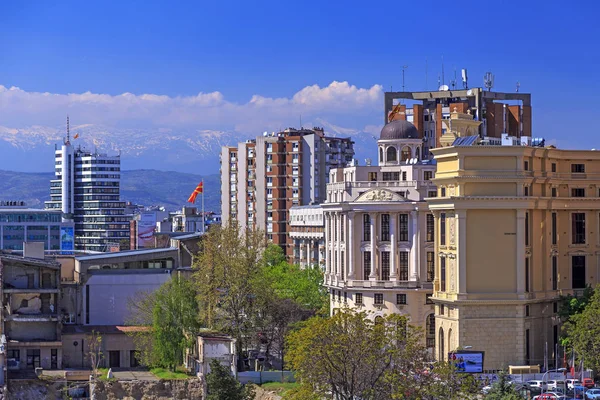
(550, 396)
(538, 384)
(588, 383)
(592, 394)
(572, 382)
(555, 384)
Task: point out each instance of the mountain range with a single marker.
(145, 186)
(30, 149)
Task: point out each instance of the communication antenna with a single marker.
(518, 86)
(403, 69)
(488, 81)
(443, 79)
(300, 121)
(453, 81)
(68, 131)
(465, 79)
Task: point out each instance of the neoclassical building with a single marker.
(379, 233)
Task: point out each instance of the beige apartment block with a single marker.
(516, 226)
(379, 233)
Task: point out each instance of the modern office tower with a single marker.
(379, 233)
(517, 226)
(86, 190)
(498, 112)
(262, 179)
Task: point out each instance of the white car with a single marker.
(552, 385)
(572, 382)
(538, 384)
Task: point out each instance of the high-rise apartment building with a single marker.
(516, 227)
(498, 112)
(262, 179)
(379, 233)
(87, 190)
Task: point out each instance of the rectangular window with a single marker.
(385, 265)
(526, 229)
(385, 227)
(430, 233)
(403, 266)
(342, 229)
(430, 266)
(526, 190)
(391, 176)
(401, 298)
(442, 192)
(578, 272)
(578, 228)
(577, 192)
(527, 311)
(526, 165)
(427, 175)
(358, 299)
(527, 355)
(442, 229)
(366, 265)
(443, 274)
(554, 273)
(555, 307)
(404, 227)
(428, 298)
(553, 167)
(527, 274)
(577, 168)
(372, 176)
(403, 175)
(432, 193)
(378, 299)
(554, 233)
(554, 192)
(366, 228)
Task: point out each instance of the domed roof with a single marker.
(399, 129)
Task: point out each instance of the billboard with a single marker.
(67, 239)
(146, 226)
(467, 361)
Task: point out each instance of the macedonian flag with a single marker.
(199, 189)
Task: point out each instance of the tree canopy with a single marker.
(223, 386)
(583, 331)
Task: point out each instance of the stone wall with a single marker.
(185, 389)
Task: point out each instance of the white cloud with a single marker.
(340, 102)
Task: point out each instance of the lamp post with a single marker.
(551, 370)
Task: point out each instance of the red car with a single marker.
(587, 382)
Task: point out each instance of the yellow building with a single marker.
(516, 226)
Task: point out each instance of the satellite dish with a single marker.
(414, 161)
(407, 161)
(469, 92)
(444, 88)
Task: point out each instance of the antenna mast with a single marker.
(443, 79)
(403, 69)
(68, 131)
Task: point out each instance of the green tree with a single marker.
(583, 331)
(223, 386)
(503, 389)
(140, 309)
(175, 321)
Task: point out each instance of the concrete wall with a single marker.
(30, 331)
(76, 349)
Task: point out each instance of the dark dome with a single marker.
(399, 129)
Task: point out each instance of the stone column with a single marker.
(393, 274)
(307, 246)
(326, 245)
(461, 237)
(373, 220)
(414, 259)
(520, 254)
(350, 246)
(338, 245)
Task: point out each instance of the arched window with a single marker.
(430, 331)
(378, 320)
(405, 154)
(441, 356)
(380, 154)
(451, 347)
(391, 154)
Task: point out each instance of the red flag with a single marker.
(199, 189)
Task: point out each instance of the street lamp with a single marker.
(551, 370)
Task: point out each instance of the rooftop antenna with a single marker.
(439, 81)
(453, 81)
(443, 79)
(518, 86)
(300, 121)
(403, 69)
(488, 81)
(68, 131)
(465, 79)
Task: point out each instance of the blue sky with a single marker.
(274, 49)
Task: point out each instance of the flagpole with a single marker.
(203, 215)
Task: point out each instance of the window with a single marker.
(430, 231)
(578, 228)
(578, 272)
(372, 176)
(527, 355)
(443, 229)
(553, 167)
(358, 299)
(133, 359)
(555, 307)
(385, 265)
(378, 299)
(366, 265)
(554, 273)
(335, 225)
(385, 227)
(577, 168)
(404, 227)
(527, 311)
(554, 233)
(391, 154)
(14, 354)
(342, 229)
(430, 266)
(405, 154)
(443, 274)
(526, 165)
(401, 298)
(403, 266)
(391, 176)
(526, 190)
(366, 228)
(430, 331)
(345, 297)
(526, 229)
(442, 192)
(427, 175)
(553, 192)
(432, 193)
(527, 274)
(428, 298)
(403, 175)
(577, 192)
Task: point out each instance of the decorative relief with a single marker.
(452, 280)
(379, 195)
(451, 190)
(451, 227)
